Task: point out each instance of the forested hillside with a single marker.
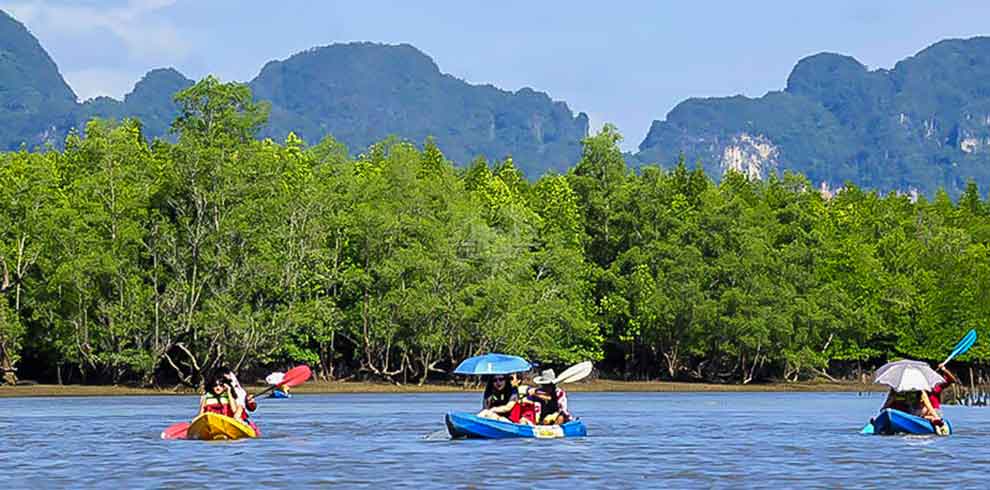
(916, 128)
(921, 126)
(129, 261)
(360, 93)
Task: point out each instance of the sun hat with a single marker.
(546, 377)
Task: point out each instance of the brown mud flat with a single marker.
(601, 385)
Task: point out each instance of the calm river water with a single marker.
(636, 440)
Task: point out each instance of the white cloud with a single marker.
(143, 34)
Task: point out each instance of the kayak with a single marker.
(892, 421)
(461, 425)
(216, 427)
(279, 394)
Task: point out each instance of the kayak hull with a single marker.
(466, 425)
(279, 394)
(892, 421)
(216, 427)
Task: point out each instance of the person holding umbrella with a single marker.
(500, 397)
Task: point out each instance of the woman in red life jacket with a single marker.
(219, 398)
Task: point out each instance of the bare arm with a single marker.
(504, 408)
(927, 403)
(235, 407)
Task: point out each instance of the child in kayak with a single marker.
(500, 398)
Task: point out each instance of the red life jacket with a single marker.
(524, 409)
(217, 404)
(935, 396)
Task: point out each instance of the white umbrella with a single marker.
(908, 376)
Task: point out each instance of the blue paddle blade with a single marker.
(867, 429)
(964, 344)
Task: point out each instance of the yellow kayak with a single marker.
(216, 427)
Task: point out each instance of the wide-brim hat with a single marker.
(546, 377)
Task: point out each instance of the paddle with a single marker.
(293, 377)
(576, 372)
(967, 341)
(176, 431)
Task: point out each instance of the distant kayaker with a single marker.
(553, 399)
(274, 379)
(499, 399)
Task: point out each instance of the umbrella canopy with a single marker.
(908, 376)
(493, 364)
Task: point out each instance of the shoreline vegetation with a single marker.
(129, 263)
(361, 387)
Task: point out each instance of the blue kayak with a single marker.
(461, 424)
(279, 394)
(892, 421)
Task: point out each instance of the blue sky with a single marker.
(623, 62)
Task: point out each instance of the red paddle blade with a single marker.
(176, 431)
(296, 376)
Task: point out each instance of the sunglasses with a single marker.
(499, 378)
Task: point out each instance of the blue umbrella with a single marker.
(492, 364)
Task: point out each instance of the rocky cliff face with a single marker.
(922, 125)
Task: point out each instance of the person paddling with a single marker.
(243, 398)
(553, 399)
(935, 397)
